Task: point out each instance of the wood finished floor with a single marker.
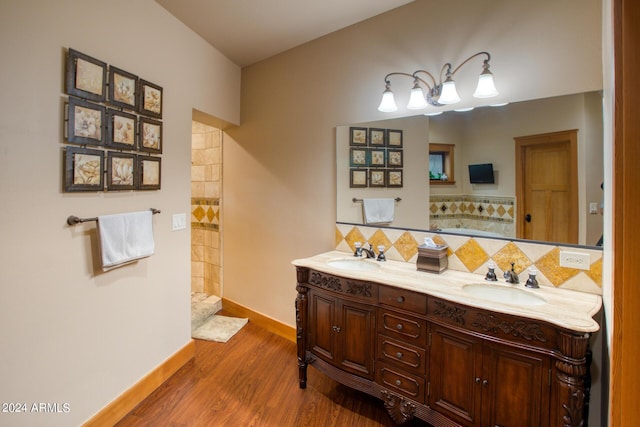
(252, 380)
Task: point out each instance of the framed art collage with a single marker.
(375, 157)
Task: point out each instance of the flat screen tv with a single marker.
(481, 173)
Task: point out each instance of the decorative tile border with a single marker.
(471, 254)
(485, 213)
(205, 213)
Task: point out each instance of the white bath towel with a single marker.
(378, 211)
(125, 238)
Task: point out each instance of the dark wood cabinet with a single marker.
(434, 359)
(342, 333)
(479, 383)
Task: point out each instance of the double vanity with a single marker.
(449, 348)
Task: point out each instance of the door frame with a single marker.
(522, 142)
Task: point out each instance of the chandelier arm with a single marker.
(486, 61)
(396, 73)
(415, 76)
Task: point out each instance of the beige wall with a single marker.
(279, 166)
(70, 333)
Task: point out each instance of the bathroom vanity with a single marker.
(447, 348)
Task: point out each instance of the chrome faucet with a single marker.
(511, 276)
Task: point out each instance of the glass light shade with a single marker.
(388, 102)
(486, 88)
(448, 93)
(416, 99)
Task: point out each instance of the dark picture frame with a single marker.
(377, 178)
(394, 178)
(377, 137)
(123, 89)
(377, 158)
(358, 157)
(83, 169)
(394, 138)
(150, 99)
(149, 172)
(150, 136)
(121, 171)
(358, 178)
(395, 158)
(358, 136)
(85, 122)
(122, 130)
(86, 76)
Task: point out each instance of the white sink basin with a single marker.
(513, 296)
(354, 264)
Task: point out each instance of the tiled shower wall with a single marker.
(206, 185)
(472, 254)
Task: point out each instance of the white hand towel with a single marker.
(378, 211)
(125, 238)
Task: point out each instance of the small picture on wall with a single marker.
(85, 122)
(394, 138)
(376, 137)
(83, 169)
(358, 178)
(394, 158)
(150, 99)
(377, 178)
(121, 168)
(123, 87)
(121, 130)
(86, 76)
(357, 136)
(150, 135)
(377, 157)
(394, 178)
(149, 173)
(358, 157)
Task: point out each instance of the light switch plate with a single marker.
(578, 260)
(178, 222)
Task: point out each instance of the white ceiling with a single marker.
(247, 31)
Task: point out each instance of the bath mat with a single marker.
(219, 328)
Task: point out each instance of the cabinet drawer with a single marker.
(407, 328)
(401, 382)
(401, 298)
(402, 355)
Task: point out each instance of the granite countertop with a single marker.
(568, 309)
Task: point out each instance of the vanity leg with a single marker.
(301, 326)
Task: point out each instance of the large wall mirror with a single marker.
(486, 135)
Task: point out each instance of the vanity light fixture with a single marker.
(439, 92)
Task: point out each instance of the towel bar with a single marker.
(73, 220)
(354, 200)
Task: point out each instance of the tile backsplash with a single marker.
(471, 254)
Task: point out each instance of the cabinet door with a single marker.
(322, 325)
(356, 338)
(455, 369)
(516, 391)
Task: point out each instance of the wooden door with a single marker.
(322, 323)
(515, 389)
(547, 187)
(356, 338)
(455, 375)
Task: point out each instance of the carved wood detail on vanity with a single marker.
(399, 345)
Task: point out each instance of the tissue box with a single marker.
(433, 260)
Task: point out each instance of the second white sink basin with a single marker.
(354, 264)
(512, 296)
